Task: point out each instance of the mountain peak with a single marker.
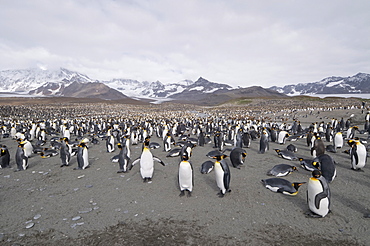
(359, 83)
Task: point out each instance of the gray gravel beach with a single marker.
(49, 205)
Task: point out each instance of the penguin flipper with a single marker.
(319, 197)
(134, 162)
(356, 157)
(159, 160)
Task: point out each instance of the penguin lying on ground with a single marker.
(281, 170)
(282, 186)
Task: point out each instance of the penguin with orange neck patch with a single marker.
(146, 162)
(222, 172)
(318, 195)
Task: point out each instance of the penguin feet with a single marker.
(313, 215)
(182, 193)
(220, 194)
(120, 171)
(147, 180)
(77, 168)
(17, 170)
(189, 194)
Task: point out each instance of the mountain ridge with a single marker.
(356, 84)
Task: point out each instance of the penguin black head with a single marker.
(119, 145)
(220, 157)
(316, 174)
(296, 185)
(185, 156)
(146, 142)
(316, 164)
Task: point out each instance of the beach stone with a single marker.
(85, 211)
(37, 216)
(30, 225)
(76, 218)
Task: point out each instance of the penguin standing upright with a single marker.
(318, 195)
(82, 155)
(146, 162)
(222, 172)
(351, 132)
(65, 152)
(238, 141)
(282, 136)
(338, 140)
(4, 156)
(318, 147)
(185, 175)
(167, 142)
(273, 134)
(237, 157)
(264, 142)
(110, 144)
(326, 164)
(123, 157)
(218, 141)
(20, 158)
(201, 138)
(246, 140)
(28, 148)
(358, 154)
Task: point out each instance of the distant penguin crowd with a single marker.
(64, 134)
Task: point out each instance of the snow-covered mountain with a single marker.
(26, 80)
(359, 83)
(40, 82)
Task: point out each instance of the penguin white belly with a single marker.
(313, 189)
(220, 177)
(146, 164)
(338, 140)
(24, 164)
(67, 134)
(185, 176)
(28, 149)
(85, 156)
(361, 152)
(110, 146)
(281, 137)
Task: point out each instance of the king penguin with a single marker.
(82, 155)
(4, 156)
(338, 140)
(237, 157)
(146, 162)
(20, 158)
(282, 136)
(123, 157)
(28, 148)
(186, 175)
(318, 195)
(318, 147)
(358, 154)
(65, 152)
(264, 143)
(222, 172)
(167, 142)
(110, 144)
(326, 164)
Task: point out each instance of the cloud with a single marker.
(236, 42)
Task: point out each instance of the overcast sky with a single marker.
(238, 42)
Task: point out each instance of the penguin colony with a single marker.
(73, 134)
